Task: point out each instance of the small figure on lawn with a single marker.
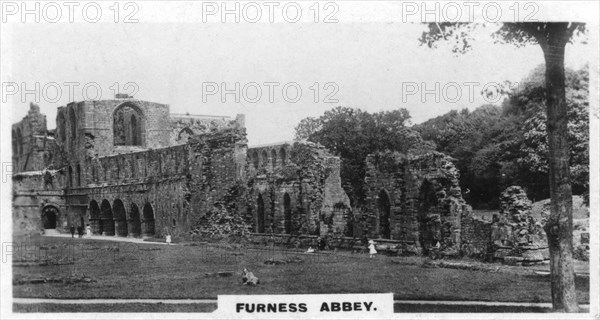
(168, 240)
(322, 243)
(88, 231)
(310, 250)
(248, 278)
(72, 231)
(372, 251)
(80, 231)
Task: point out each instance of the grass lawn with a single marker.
(114, 307)
(183, 271)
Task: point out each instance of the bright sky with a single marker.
(372, 58)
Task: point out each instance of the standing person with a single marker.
(80, 231)
(72, 231)
(88, 231)
(168, 240)
(372, 251)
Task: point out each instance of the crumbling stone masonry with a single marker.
(415, 200)
(128, 167)
(415, 205)
(296, 189)
(516, 235)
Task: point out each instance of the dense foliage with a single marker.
(496, 147)
(221, 224)
(352, 134)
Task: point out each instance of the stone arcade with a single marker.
(130, 168)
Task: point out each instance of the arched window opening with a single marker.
(273, 158)
(260, 211)
(128, 126)
(78, 175)
(265, 158)
(384, 207)
(61, 127)
(282, 155)
(255, 160)
(287, 213)
(70, 177)
(184, 135)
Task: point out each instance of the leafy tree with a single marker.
(529, 101)
(552, 37)
(483, 142)
(352, 134)
(496, 147)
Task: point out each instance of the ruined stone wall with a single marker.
(296, 189)
(185, 126)
(85, 129)
(476, 237)
(30, 144)
(142, 188)
(414, 199)
(32, 193)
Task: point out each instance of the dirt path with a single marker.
(214, 301)
(106, 238)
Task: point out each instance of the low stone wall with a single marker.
(476, 235)
(383, 246)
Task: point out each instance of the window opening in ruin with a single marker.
(384, 207)
(61, 127)
(430, 223)
(287, 212)
(184, 135)
(127, 126)
(265, 159)
(273, 158)
(78, 175)
(70, 177)
(255, 160)
(260, 211)
(282, 156)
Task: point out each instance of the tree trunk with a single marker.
(559, 227)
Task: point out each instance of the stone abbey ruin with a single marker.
(130, 168)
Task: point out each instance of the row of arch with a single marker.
(115, 220)
(261, 217)
(135, 167)
(427, 203)
(262, 159)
